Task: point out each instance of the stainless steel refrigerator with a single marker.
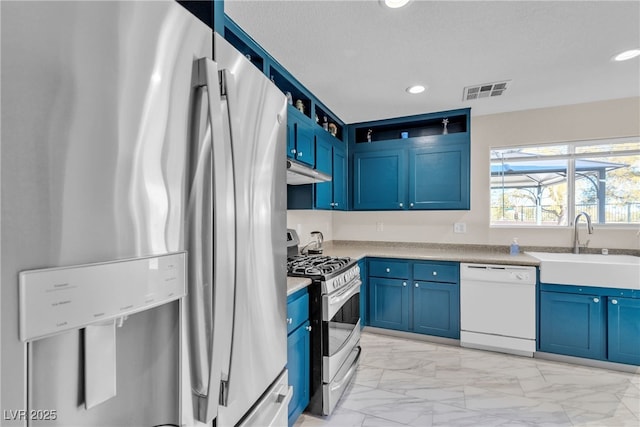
(142, 221)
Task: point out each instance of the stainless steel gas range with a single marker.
(334, 312)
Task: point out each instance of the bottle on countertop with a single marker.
(515, 247)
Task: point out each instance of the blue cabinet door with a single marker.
(388, 303)
(291, 136)
(305, 141)
(298, 360)
(624, 330)
(300, 137)
(379, 180)
(324, 163)
(436, 309)
(339, 179)
(439, 177)
(572, 324)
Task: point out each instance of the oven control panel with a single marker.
(335, 283)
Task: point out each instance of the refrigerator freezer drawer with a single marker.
(272, 409)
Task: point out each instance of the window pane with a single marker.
(608, 188)
(529, 192)
(529, 184)
(607, 148)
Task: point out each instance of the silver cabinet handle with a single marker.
(332, 204)
(300, 154)
(336, 204)
(410, 205)
(614, 301)
(404, 283)
(401, 204)
(308, 328)
(293, 151)
(596, 300)
(417, 285)
(388, 270)
(435, 273)
(289, 320)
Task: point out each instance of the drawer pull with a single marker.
(388, 270)
(614, 301)
(404, 283)
(596, 300)
(435, 273)
(308, 328)
(289, 320)
(417, 286)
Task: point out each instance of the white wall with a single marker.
(606, 119)
(304, 222)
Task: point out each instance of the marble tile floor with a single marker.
(402, 382)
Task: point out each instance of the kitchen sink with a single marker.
(607, 271)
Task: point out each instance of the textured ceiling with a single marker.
(358, 57)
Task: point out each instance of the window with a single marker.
(549, 184)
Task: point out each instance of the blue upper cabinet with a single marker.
(301, 131)
(439, 176)
(417, 162)
(324, 163)
(339, 181)
(379, 180)
(331, 159)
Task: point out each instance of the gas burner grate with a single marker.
(318, 265)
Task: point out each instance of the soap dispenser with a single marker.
(515, 247)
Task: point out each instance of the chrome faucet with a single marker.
(576, 240)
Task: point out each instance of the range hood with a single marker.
(299, 174)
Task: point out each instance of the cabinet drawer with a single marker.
(297, 312)
(387, 268)
(436, 272)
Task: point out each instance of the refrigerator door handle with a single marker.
(211, 248)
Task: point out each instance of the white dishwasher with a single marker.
(498, 308)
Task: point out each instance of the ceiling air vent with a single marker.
(485, 90)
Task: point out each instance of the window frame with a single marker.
(571, 156)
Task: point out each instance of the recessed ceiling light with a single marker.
(415, 89)
(395, 4)
(627, 54)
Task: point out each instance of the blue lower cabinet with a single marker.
(364, 295)
(388, 303)
(572, 324)
(436, 309)
(298, 352)
(623, 326)
(298, 360)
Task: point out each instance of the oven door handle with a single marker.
(333, 302)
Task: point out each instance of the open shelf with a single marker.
(285, 85)
(413, 128)
(320, 114)
(251, 54)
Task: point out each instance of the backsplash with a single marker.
(306, 221)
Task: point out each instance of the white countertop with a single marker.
(460, 253)
(294, 284)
